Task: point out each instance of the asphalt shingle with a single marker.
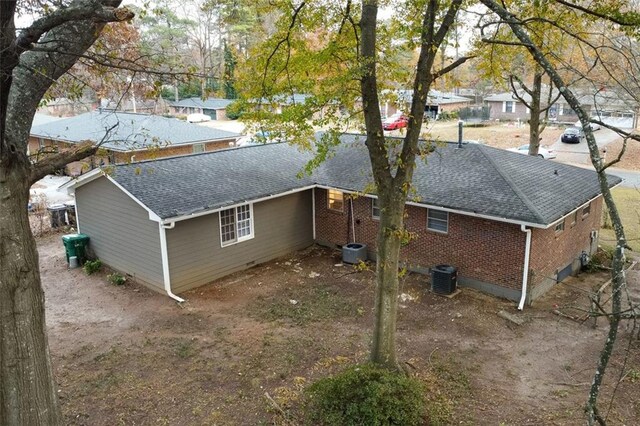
(475, 178)
(128, 131)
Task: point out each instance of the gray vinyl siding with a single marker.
(120, 231)
(281, 225)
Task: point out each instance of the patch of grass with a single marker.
(628, 205)
(303, 307)
(185, 348)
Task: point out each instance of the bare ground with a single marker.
(126, 355)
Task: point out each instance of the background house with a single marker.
(213, 107)
(438, 103)
(508, 222)
(125, 137)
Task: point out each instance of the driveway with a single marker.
(579, 153)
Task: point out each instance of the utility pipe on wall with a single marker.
(165, 261)
(525, 272)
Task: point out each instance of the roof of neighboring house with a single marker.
(475, 179)
(604, 100)
(506, 96)
(128, 131)
(43, 118)
(209, 103)
(434, 97)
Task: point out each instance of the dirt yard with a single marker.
(126, 355)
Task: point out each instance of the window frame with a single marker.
(446, 221)
(559, 228)
(510, 107)
(574, 218)
(197, 151)
(586, 210)
(375, 205)
(236, 230)
(330, 198)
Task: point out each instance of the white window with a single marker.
(375, 208)
(335, 200)
(586, 210)
(41, 143)
(236, 224)
(438, 220)
(574, 218)
(198, 147)
(508, 106)
(559, 227)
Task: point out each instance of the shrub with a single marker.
(366, 395)
(116, 279)
(92, 266)
(235, 110)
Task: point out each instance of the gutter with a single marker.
(525, 271)
(165, 261)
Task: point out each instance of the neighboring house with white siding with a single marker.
(513, 225)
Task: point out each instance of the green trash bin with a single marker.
(76, 245)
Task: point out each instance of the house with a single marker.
(513, 225)
(213, 107)
(611, 109)
(438, 103)
(125, 137)
(64, 107)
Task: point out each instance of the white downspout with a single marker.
(313, 211)
(165, 260)
(525, 272)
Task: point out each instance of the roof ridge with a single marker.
(512, 185)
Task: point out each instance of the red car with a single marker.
(395, 122)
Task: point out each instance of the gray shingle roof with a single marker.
(476, 179)
(133, 131)
(209, 103)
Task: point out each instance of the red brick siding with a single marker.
(483, 250)
(551, 251)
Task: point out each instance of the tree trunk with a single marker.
(534, 115)
(27, 390)
(386, 303)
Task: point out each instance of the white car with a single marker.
(545, 153)
(198, 118)
(593, 126)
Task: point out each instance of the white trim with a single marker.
(164, 253)
(373, 207)
(525, 271)
(77, 216)
(313, 211)
(152, 216)
(219, 209)
(72, 184)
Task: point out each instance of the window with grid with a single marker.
(438, 220)
(509, 106)
(375, 208)
(236, 224)
(335, 200)
(559, 227)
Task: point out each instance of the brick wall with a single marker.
(552, 251)
(483, 250)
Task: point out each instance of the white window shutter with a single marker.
(504, 106)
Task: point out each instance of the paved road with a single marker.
(579, 153)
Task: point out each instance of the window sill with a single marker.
(223, 245)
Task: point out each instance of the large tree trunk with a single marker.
(386, 303)
(534, 115)
(27, 391)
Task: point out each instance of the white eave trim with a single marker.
(98, 173)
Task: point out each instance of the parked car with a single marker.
(258, 138)
(572, 135)
(396, 121)
(198, 118)
(594, 126)
(545, 153)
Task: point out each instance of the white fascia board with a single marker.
(82, 180)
